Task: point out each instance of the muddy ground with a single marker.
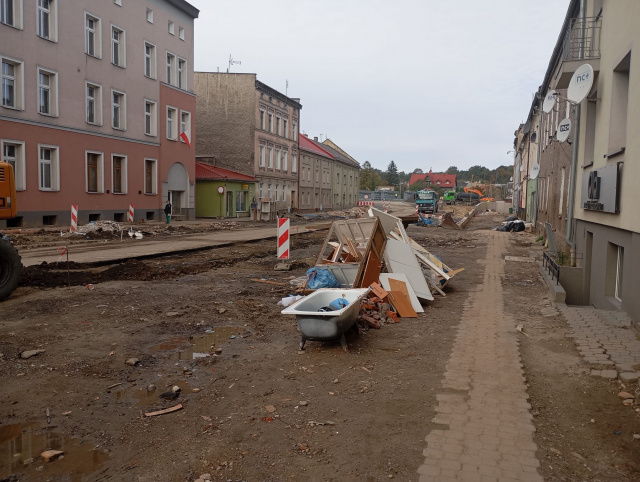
(257, 408)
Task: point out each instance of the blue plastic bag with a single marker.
(321, 278)
(339, 303)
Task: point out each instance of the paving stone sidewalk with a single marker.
(487, 429)
(606, 340)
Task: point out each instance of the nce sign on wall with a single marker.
(600, 189)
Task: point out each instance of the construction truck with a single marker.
(10, 263)
(449, 197)
(427, 201)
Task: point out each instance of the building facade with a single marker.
(602, 228)
(95, 95)
(221, 193)
(346, 177)
(316, 176)
(248, 127)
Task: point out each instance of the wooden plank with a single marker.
(162, 412)
(400, 258)
(390, 223)
(379, 291)
(400, 299)
(384, 280)
(372, 270)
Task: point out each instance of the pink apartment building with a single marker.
(95, 95)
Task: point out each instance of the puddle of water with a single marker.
(146, 397)
(19, 443)
(201, 347)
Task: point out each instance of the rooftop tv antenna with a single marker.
(233, 62)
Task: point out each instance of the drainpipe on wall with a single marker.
(535, 194)
(569, 237)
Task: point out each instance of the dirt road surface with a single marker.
(255, 408)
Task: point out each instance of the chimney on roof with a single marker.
(315, 138)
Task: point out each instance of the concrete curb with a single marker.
(558, 294)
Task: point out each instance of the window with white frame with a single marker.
(12, 83)
(269, 190)
(278, 124)
(47, 19)
(150, 118)
(171, 68)
(294, 162)
(150, 68)
(262, 156)
(185, 124)
(172, 28)
(118, 174)
(261, 190)
(48, 168)
(263, 120)
(94, 162)
(13, 153)
(119, 110)
(94, 103)
(270, 122)
(118, 47)
(295, 130)
(284, 192)
(11, 13)
(181, 33)
(286, 127)
(285, 156)
(277, 192)
(270, 152)
(150, 176)
(182, 74)
(278, 159)
(92, 35)
(241, 201)
(172, 123)
(47, 92)
(149, 15)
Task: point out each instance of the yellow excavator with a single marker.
(10, 263)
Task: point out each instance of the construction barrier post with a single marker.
(130, 215)
(283, 238)
(74, 218)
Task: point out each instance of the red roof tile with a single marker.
(308, 145)
(210, 173)
(440, 180)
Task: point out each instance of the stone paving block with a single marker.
(629, 376)
(609, 374)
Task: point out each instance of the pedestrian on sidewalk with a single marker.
(167, 211)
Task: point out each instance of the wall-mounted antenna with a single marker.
(233, 62)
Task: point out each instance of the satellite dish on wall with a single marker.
(535, 170)
(549, 101)
(580, 84)
(564, 129)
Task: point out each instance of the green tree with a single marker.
(452, 170)
(370, 178)
(417, 170)
(392, 174)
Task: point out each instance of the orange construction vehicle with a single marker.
(10, 264)
(479, 193)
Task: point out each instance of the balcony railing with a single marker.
(582, 40)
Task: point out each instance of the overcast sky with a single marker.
(426, 83)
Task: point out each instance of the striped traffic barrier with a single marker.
(365, 203)
(283, 238)
(417, 209)
(130, 215)
(74, 218)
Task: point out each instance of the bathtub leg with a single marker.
(302, 342)
(343, 342)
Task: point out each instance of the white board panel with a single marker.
(399, 258)
(415, 303)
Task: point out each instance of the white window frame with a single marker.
(269, 191)
(270, 158)
(185, 125)
(278, 158)
(149, 15)
(277, 192)
(96, 30)
(263, 155)
(173, 135)
(171, 68)
(284, 192)
(97, 100)
(286, 128)
(279, 124)
(263, 119)
(122, 110)
(181, 33)
(295, 129)
(119, 46)
(125, 178)
(152, 116)
(18, 82)
(261, 195)
(17, 16)
(99, 172)
(154, 176)
(152, 57)
(54, 170)
(181, 73)
(270, 121)
(294, 162)
(172, 27)
(285, 160)
(19, 168)
(53, 91)
(51, 20)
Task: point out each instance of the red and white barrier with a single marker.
(74, 218)
(365, 203)
(417, 209)
(385, 205)
(130, 215)
(283, 238)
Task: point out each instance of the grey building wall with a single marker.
(225, 120)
